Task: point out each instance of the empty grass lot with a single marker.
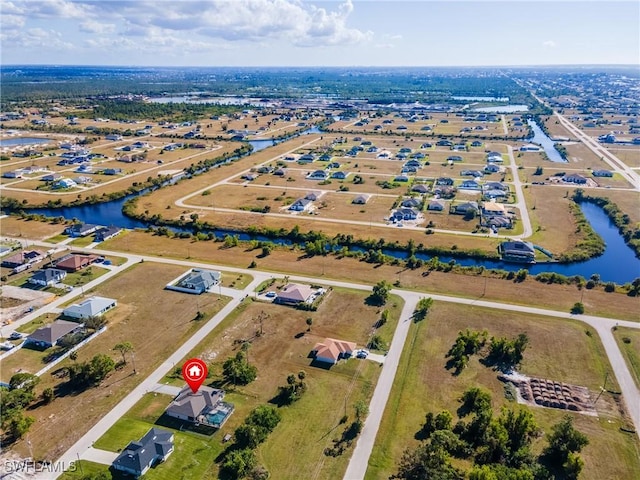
(558, 350)
(154, 320)
(629, 342)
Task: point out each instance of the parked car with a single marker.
(6, 346)
(271, 294)
(362, 353)
(15, 336)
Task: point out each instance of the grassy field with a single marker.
(558, 350)
(154, 320)
(34, 324)
(629, 342)
(285, 260)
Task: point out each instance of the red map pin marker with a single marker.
(194, 372)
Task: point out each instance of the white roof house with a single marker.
(91, 307)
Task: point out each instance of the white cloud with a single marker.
(38, 38)
(12, 22)
(91, 26)
(549, 43)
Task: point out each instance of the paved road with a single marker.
(364, 446)
(358, 463)
(149, 384)
(521, 203)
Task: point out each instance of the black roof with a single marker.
(139, 455)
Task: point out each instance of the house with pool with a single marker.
(205, 407)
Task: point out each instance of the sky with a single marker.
(319, 33)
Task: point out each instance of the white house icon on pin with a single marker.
(194, 371)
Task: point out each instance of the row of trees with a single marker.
(499, 447)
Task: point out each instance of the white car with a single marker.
(6, 346)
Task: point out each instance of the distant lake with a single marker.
(12, 142)
(502, 109)
(482, 99)
(211, 100)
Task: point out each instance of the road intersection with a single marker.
(359, 460)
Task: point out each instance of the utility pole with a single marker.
(133, 361)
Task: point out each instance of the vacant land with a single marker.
(287, 260)
(561, 351)
(32, 229)
(154, 320)
(629, 342)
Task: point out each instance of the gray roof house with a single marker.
(300, 205)
(360, 200)
(517, 251)
(197, 280)
(421, 188)
(91, 307)
(81, 229)
(154, 447)
(436, 205)
(463, 208)
(106, 233)
(47, 277)
(48, 336)
(205, 406)
(411, 203)
(318, 175)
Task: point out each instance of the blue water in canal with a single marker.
(12, 142)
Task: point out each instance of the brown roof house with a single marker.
(75, 262)
(48, 336)
(294, 293)
(332, 350)
(203, 407)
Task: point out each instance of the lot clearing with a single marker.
(559, 351)
(17, 301)
(154, 320)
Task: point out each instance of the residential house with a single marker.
(471, 173)
(294, 293)
(49, 335)
(411, 203)
(112, 171)
(313, 196)
(76, 261)
(494, 157)
(280, 172)
(91, 307)
(202, 407)
(454, 158)
(332, 350)
(491, 168)
(64, 183)
(404, 214)
(18, 173)
(413, 163)
(360, 200)
(602, 173)
(47, 277)
(24, 257)
(421, 188)
(197, 280)
(401, 178)
(530, 148)
(495, 194)
(490, 209)
(463, 208)
(300, 205)
(81, 229)
(138, 457)
(52, 177)
(470, 185)
(105, 233)
(114, 137)
(574, 178)
(444, 181)
(476, 143)
(444, 143)
(306, 158)
(495, 186)
(318, 175)
(517, 251)
(436, 205)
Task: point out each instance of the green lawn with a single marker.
(629, 342)
(83, 469)
(236, 280)
(82, 241)
(194, 453)
(57, 238)
(558, 350)
(84, 276)
(36, 323)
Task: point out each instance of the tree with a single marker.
(380, 293)
(239, 463)
(578, 308)
(257, 426)
(24, 381)
(16, 424)
(238, 370)
(563, 441)
(123, 348)
(309, 323)
(422, 309)
(428, 461)
(48, 395)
